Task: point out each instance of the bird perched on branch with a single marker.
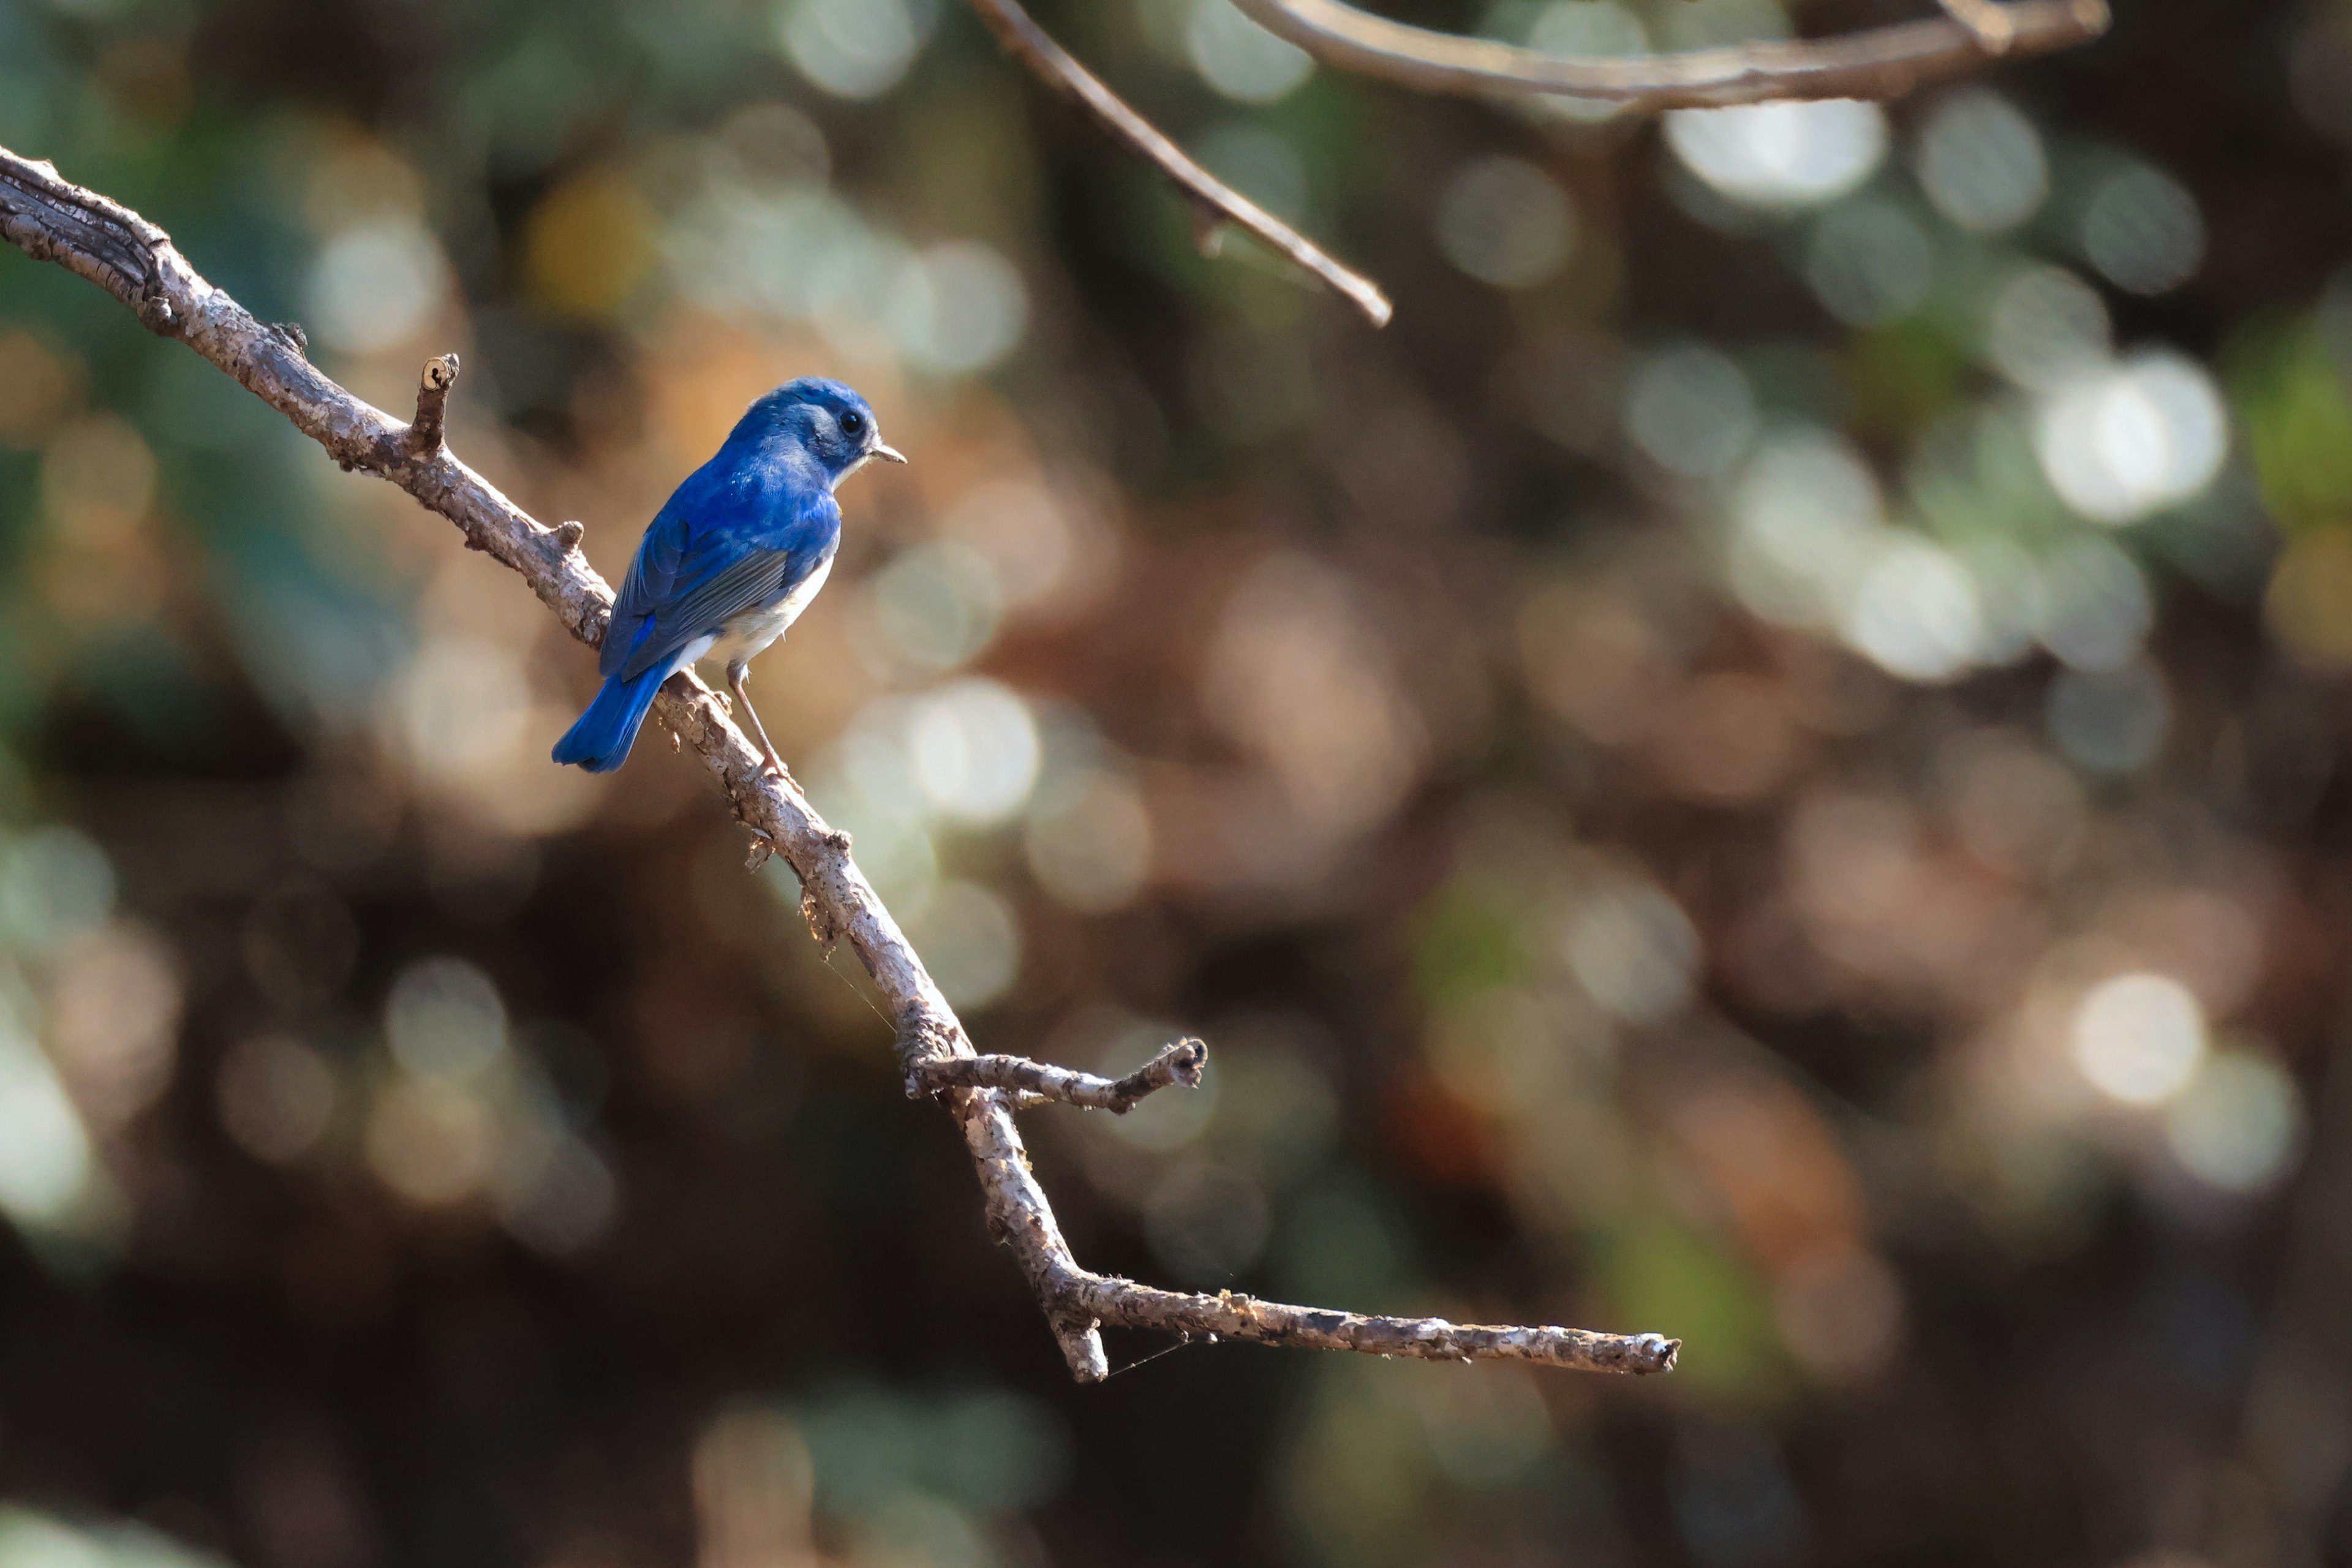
(730, 562)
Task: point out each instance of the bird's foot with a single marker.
(775, 765)
(726, 703)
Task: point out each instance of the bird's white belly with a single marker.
(753, 630)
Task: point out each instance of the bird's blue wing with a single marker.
(707, 559)
(651, 572)
(752, 578)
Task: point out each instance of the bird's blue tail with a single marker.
(600, 740)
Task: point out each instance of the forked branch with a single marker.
(1214, 202)
(134, 260)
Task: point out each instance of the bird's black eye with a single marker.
(853, 423)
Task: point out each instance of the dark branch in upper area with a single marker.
(1990, 20)
(1881, 62)
(136, 261)
(1178, 1064)
(1217, 201)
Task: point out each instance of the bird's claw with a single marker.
(772, 763)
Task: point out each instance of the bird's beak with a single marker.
(888, 454)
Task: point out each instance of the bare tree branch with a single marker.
(1884, 62)
(134, 260)
(1040, 1084)
(1217, 201)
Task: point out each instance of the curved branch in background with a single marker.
(132, 259)
(1216, 202)
(1882, 62)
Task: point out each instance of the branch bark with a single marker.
(1882, 62)
(1216, 201)
(134, 260)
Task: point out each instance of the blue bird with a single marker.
(730, 560)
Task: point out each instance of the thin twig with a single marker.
(136, 261)
(1054, 65)
(1178, 1064)
(1230, 1315)
(1882, 62)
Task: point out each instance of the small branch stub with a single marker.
(428, 429)
(1178, 1065)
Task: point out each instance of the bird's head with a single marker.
(829, 420)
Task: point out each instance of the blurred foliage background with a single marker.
(1766, 764)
